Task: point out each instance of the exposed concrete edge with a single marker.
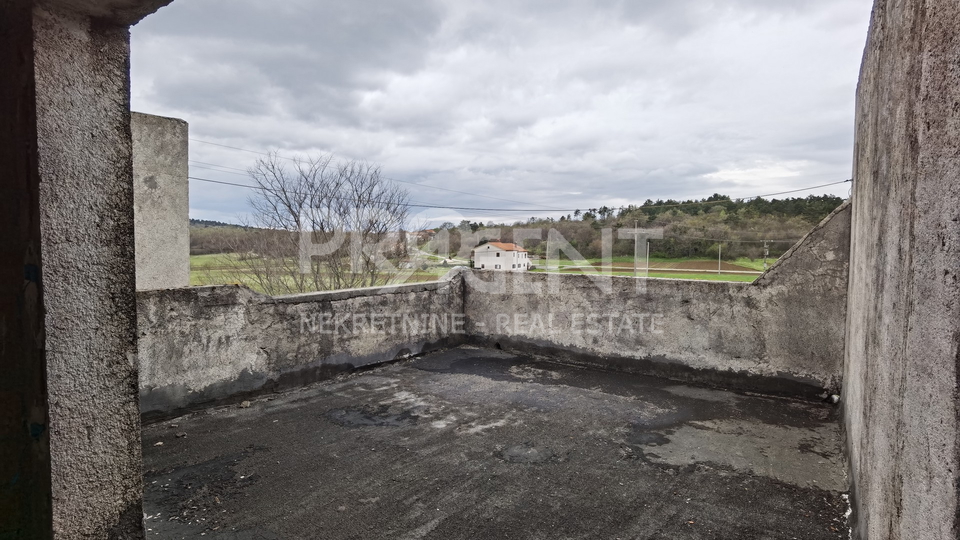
(853, 487)
(210, 295)
(243, 295)
(170, 118)
(346, 294)
(781, 384)
(770, 274)
(471, 277)
(120, 12)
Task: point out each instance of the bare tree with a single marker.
(319, 224)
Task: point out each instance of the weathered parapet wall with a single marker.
(805, 302)
(203, 344)
(783, 333)
(161, 201)
(901, 401)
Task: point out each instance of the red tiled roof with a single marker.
(504, 246)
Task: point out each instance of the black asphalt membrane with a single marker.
(474, 444)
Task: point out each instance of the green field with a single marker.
(755, 264)
(231, 269)
(693, 276)
(746, 278)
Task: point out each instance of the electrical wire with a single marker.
(543, 207)
(386, 177)
(526, 210)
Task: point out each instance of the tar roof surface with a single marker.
(473, 443)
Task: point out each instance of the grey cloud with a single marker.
(614, 99)
(311, 57)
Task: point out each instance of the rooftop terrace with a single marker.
(479, 443)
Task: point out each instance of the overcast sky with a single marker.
(526, 104)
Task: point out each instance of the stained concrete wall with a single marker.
(901, 401)
(161, 200)
(782, 334)
(203, 344)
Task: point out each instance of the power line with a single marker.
(244, 171)
(741, 199)
(781, 241)
(798, 190)
(475, 194)
(467, 208)
(239, 149)
(218, 170)
(388, 178)
(262, 188)
(411, 204)
(542, 209)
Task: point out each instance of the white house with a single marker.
(501, 256)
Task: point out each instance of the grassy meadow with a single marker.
(232, 269)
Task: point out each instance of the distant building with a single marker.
(501, 256)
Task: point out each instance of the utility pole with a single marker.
(638, 233)
(766, 253)
(719, 257)
(648, 260)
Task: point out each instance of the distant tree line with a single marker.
(717, 225)
(692, 228)
(210, 223)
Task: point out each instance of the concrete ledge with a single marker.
(343, 294)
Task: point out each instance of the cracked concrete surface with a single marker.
(476, 443)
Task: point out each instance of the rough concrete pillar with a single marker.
(82, 74)
(901, 400)
(161, 198)
(69, 392)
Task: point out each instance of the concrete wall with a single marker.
(161, 200)
(203, 344)
(784, 333)
(901, 403)
(805, 302)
